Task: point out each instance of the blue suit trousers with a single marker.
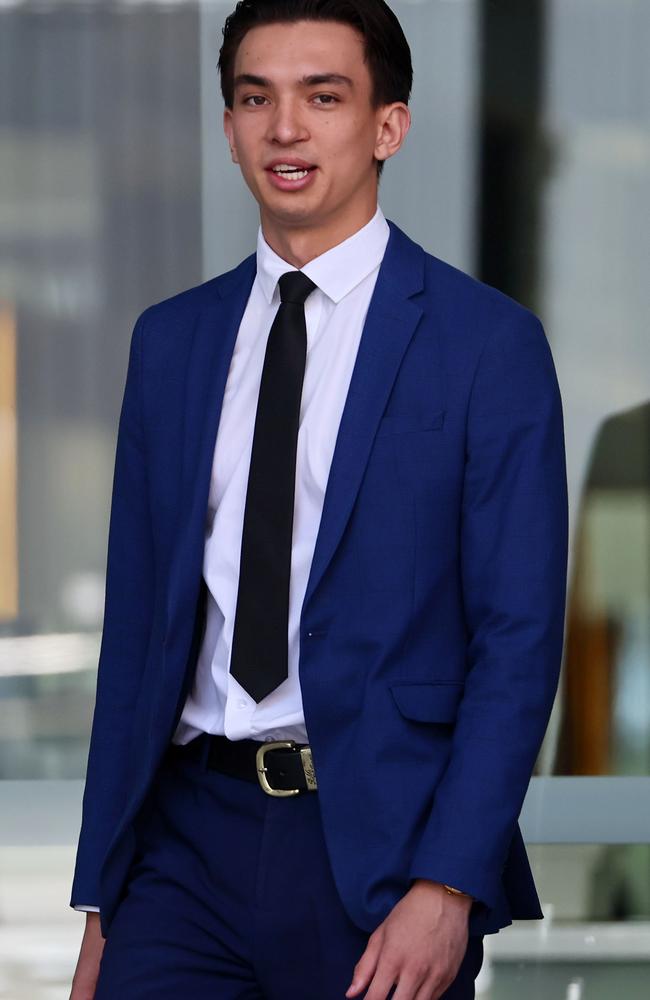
(231, 897)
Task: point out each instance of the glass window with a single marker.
(528, 165)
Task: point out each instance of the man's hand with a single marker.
(90, 953)
(420, 946)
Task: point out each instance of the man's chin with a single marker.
(289, 212)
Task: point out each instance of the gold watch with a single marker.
(455, 892)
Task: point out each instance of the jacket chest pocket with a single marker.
(407, 423)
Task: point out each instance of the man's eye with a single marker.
(254, 97)
(326, 98)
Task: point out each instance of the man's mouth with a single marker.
(291, 172)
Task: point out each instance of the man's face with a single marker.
(302, 99)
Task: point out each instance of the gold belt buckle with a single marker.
(307, 766)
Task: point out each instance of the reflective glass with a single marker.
(528, 165)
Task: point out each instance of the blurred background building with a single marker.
(528, 165)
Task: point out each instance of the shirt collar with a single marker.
(337, 271)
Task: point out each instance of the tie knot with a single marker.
(295, 287)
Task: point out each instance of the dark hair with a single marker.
(387, 52)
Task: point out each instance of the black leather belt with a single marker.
(281, 767)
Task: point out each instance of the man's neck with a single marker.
(300, 245)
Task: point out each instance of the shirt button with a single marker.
(242, 703)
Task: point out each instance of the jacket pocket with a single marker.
(404, 423)
(435, 701)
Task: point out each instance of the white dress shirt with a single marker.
(335, 312)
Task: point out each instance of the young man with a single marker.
(336, 569)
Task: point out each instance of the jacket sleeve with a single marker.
(128, 611)
(513, 537)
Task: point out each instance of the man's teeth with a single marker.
(291, 173)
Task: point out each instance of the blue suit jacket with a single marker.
(431, 629)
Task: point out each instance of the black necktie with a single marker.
(259, 660)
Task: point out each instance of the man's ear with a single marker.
(393, 123)
(228, 129)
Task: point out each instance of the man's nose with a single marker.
(286, 123)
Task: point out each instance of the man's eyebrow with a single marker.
(312, 80)
(255, 81)
(316, 78)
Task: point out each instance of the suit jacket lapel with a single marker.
(209, 362)
(389, 327)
